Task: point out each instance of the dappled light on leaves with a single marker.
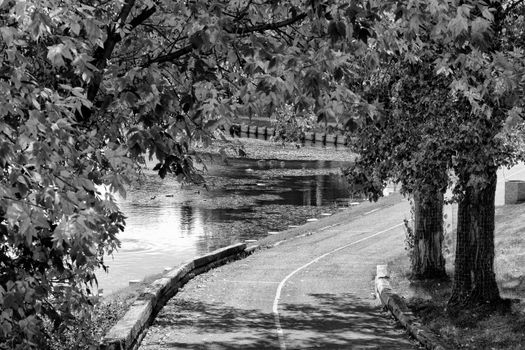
(92, 90)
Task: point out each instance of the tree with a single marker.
(406, 145)
(89, 88)
(471, 48)
(475, 48)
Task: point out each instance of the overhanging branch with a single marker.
(171, 56)
(267, 26)
(144, 15)
(124, 13)
(103, 54)
(237, 31)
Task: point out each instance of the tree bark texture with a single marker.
(474, 277)
(428, 261)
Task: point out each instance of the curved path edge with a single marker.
(399, 309)
(131, 328)
(129, 331)
(275, 308)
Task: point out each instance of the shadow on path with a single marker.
(336, 321)
(329, 322)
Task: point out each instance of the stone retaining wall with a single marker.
(399, 309)
(130, 329)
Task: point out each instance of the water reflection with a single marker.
(168, 224)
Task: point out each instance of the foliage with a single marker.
(454, 86)
(87, 328)
(88, 88)
(289, 128)
(442, 75)
(410, 143)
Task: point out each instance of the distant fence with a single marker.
(264, 132)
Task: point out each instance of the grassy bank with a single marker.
(86, 331)
(481, 328)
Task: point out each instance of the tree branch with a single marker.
(144, 15)
(238, 31)
(124, 13)
(267, 26)
(171, 56)
(103, 54)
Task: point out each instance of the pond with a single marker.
(168, 223)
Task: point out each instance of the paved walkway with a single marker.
(314, 291)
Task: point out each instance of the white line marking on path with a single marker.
(239, 281)
(371, 211)
(329, 226)
(275, 308)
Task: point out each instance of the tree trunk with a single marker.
(474, 278)
(427, 259)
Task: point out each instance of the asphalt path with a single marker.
(314, 291)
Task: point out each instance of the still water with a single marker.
(168, 223)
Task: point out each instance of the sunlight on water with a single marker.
(167, 224)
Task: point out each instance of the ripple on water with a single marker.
(132, 245)
(166, 231)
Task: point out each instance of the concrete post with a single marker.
(514, 191)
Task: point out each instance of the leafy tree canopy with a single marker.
(450, 85)
(452, 116)
(88, 88)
